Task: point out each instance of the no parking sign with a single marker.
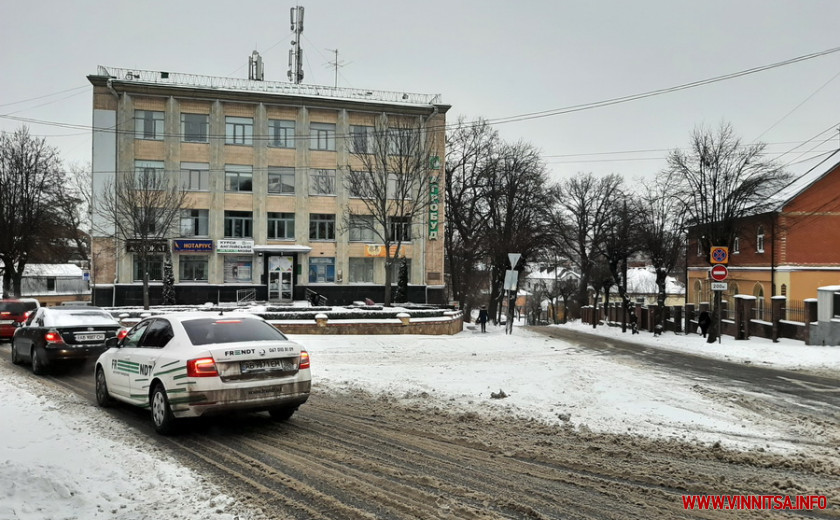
(720, 255)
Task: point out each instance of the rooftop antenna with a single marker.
(296, 53)
(336, 64)
(255, 67)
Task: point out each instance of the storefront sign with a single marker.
(378, 250)
(237, 247)
(134, 245)
(434, 207)
(192, 246)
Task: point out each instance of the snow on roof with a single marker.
(551, 274)
(58, 270)
(642, 280)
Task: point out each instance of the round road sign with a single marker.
(719, 273)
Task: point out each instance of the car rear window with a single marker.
(79, 318)
(203, 331)
(17, 307)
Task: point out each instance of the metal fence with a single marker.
(794, 311)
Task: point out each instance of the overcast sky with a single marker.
(491, 59)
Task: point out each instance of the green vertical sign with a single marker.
(434, 207)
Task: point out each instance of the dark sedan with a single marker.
(53, 335)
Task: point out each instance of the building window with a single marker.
(51, 284)
(238, 269)
(363, 184)
(361, 270)
(239, 130)
(148, 175)
(281, 180)
(195, 176)
(193, 268)
(362, 139)
(736, 246)
(239, 224)
(154, 265)
(759, 240)
(322, 136)
(361, 228)
(148, 124)
(194, 128)
(194, 222)
(784, 289)
(238, 178)
(399, 187)
(395, 269)
(281, 226)
(400, 229)
(281, 133)
(321, 226)
(322, 270)
(321, 182)
(402, 141)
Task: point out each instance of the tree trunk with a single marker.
(388, 270)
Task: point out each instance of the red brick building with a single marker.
(789, 251)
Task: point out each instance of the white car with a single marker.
(202, 363)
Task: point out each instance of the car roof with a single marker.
(194, 315)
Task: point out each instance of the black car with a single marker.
(59, 334)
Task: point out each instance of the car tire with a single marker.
(39, 368)
(282, 413)
(103, 397)
(15, 356)
(162, 417)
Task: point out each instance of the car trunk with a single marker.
(256, 361)
(87, 334)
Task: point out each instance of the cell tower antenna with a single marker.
(296, 53)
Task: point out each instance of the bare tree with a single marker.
(143, 207)
(392, 179)
(469, 151)
(518, 205)
(31, 181)
(662, 236)
(718, 181)
(583, 208)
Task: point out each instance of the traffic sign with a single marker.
(719, 272)
(719, 255)
(718, 286)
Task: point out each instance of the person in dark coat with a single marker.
(482, 318)
(704, 321)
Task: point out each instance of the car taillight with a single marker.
(122, 333)
(53, 337)
(304, 360)
(202, 367)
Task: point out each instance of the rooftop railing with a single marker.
(271, 87)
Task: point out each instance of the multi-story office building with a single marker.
(265, 165)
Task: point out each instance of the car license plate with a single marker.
(265, 365)
(90, 337)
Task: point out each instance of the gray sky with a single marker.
(491, 59)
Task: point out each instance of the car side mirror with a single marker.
(112, 342)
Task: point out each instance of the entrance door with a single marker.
(280, 278)
(286, 283)
(273, 285)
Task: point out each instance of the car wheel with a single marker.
(282, 413)
(103, 398)
(15, 356)
(38, 366)
(162, 416)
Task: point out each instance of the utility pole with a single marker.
(296, 53)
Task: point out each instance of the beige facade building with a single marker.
(265, 165)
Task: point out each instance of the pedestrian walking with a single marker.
(482, 318)
(704, 322)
